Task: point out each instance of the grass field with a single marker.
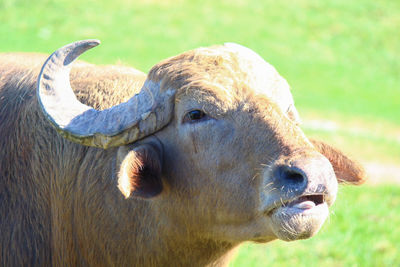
(342, 59)
(361, 231)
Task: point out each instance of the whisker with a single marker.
(255, 175)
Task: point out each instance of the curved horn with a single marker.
(140, 116)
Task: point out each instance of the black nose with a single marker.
(291, 176)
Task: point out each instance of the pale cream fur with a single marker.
(59, 201)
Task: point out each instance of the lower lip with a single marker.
(291, 223)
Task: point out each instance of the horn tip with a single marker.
(92, 42)
(85, 44)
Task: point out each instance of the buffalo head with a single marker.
(211, 143)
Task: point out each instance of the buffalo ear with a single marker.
(140, 171)
(346, 170)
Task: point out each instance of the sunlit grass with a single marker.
(362, 231)
(367, 140)
(339, 56)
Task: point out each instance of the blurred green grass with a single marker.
(362, 231)
(341, 58)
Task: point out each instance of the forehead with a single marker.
(230, 73)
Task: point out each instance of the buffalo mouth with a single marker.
(299, 218)
(301, 204)
(304, 203)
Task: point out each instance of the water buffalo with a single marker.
(173, 168)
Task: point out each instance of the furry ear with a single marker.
(346, 170)
(140, 171)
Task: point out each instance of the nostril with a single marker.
(292, 175)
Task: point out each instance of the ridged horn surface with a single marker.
(142, 115)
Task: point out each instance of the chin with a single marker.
(291, 223)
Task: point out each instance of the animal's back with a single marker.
(31, 152)
(24, 228)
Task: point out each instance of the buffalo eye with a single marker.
(194, 115)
